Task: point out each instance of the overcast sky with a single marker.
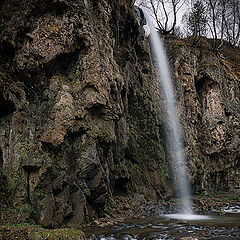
(179, 14)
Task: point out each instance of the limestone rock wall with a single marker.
(208, 91)
(78, 124)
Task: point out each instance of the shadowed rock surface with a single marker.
(78, 125)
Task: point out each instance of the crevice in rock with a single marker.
(145, 71)
(199, 117)
(131, 96)
(22, 35)
(96, 110)
(199, 84)
(114, 90)
(130, 152)
(34, 94)
(142, 54)
(62, 64)
(1, 160)
(129, 29)
(7, 50)
(227, 112)
(6, 107)
(56, 7)
(237, 165)
(123, 94)
(28, 187)
(92, 210)
(67, 219)
(2, 3)
(120, 186)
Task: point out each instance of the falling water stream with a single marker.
(174, 134)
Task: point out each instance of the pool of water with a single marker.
(172, 227)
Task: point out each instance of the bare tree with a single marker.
(164, 13)
(232, 22)
(217, 19)
(212, 4)
(225, 20)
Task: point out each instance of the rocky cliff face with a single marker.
(79, 119)
(208, 90)
(78, 123)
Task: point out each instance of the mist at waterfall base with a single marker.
(174, 134)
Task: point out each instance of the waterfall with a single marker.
(174, 135)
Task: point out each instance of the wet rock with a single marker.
(189, 238)
(47, 212)
(93, 237)
(96, 222)
(102, 225)
(222, 212)
(182, 222)
(127, 206)
(78, 202)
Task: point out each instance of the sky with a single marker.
(179, 14)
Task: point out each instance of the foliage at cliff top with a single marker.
(228, 54)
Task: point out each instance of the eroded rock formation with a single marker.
(78, 124)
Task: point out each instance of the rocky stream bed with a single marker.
(217, 217)
(213, 227)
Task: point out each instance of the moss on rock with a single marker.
(31, 232)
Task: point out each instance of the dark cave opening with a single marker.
(227, 112)
(131, 97)
(120, 186)
(7, 50)
(34, 84)
(199, 83)
(6, 107)
(61, 64)
(123, 93)
(2, 3)
(54, 7)
(1, 160)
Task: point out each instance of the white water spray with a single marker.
(175, 141)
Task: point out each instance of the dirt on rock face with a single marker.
(79, 125)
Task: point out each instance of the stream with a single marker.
(172, 226)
